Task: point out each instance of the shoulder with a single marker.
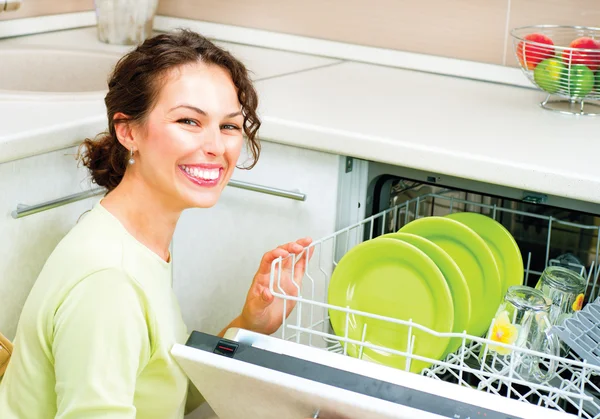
(92, 245)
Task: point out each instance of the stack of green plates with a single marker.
(447, 274)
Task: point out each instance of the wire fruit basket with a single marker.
(573, 387)
(563, 61)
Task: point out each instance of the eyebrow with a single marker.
(201, 112)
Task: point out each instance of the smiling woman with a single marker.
(95, 334)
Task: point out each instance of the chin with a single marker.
(201, 193)
(204, 202)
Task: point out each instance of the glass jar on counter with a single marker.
(565, 288)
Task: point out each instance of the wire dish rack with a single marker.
(562, 61)
(573, 388)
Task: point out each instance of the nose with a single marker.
(212, 143)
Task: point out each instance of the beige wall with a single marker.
(467, 29)
(32, 8)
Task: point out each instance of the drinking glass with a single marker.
(522, 320)
(565, 288)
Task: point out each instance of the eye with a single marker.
(188, 121)
(230, 127)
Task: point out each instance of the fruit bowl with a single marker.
(563, 61)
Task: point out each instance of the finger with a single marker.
(266, 296)
(306, 241)
(297, 246)
(292, 247)
(263, 299)
(269, 257)
(306, 255)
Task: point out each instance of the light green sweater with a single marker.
(94, 336)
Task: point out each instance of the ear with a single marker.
(124, 131)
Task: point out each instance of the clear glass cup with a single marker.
(522, 320)
(565, 288)
(125, 22)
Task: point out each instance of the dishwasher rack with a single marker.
(574, 388)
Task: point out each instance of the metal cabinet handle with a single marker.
(298, 196)
(25, 210)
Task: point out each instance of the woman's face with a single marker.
(192, 138)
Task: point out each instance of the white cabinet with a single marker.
(216, 251)
(26, 243)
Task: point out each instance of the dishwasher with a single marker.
(304, 369)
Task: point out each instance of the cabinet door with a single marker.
(27, 242)
(216, 251)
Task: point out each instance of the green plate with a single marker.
(454, 277)
(475, 260)
(501, 243)
(391, 278)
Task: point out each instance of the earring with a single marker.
(131, 159)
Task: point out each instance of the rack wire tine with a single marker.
(409, 345)
(362, 339)
(597, 250)
(346, 332)
(548, 241)
(527, 269)
(312, 292)
(589, 278)
(593, 293)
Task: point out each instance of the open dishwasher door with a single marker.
(249, 375)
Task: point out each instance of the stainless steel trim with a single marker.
(25, 210)
(298, 196)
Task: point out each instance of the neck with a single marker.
(144, 213)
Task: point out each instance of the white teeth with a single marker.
(209, 174)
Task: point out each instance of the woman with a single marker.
(94, 336)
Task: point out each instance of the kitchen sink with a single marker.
(40, 73)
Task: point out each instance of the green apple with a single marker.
(580, 80)
(548, 74)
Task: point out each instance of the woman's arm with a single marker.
(101, 343)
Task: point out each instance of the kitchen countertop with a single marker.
(34, 127)
(472, 129)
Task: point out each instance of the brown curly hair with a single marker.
(133, 88)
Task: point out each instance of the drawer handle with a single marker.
(25, 210)
(298, 196)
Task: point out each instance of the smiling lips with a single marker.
(204, 174)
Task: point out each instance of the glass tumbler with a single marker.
(125, 22)
(522, 320)
(565, 288)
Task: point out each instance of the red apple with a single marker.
(591, 59)
(531, 51)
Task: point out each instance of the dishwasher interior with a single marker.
(549, 231)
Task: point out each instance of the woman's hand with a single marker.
(263, 312)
